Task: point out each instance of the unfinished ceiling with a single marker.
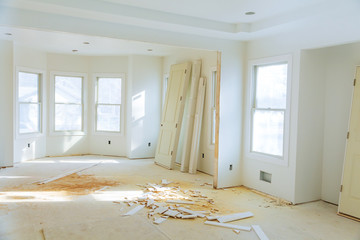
(229, 19)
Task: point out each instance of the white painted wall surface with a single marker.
(98, 143)
(6, 103)
(209, 61)
(232, 60)
(58, 145)
(144, 105)
(310, 126)
(341, 62)
(33, 59)
(283, 177)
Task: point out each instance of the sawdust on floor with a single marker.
(73, 184)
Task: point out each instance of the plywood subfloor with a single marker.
(74, 208)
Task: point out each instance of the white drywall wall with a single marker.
(283, 177)
(144, 105)
(341, 62)
(209, 61)
(231, 74)
(66, 144)
(98, 143)
(28, 58)
(6, 103)
(310, 126)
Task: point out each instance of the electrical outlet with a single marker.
(109, 142)
(230, 167)
(28, 145)
(203, 155)
(149, 144)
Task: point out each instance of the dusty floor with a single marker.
(89, 205)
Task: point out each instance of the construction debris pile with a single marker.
(163, 202)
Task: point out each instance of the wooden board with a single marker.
(172, 115)
(188, 125)
(259, 232)
(226, 225)
(234, 217)
(217, 121)
(195, 142)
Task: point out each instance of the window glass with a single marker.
(68, 103)
(268, 132)
(271, 82)
(68, 89)
(109, 90)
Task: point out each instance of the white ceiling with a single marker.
(221, 19)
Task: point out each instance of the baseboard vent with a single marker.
(266, 177)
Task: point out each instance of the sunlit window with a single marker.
(29, 100)
(213, 104)
(269, 106)
(108, 104)
(68, 103)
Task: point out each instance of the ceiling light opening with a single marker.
(149, 50)
(86, 43)
(74, 50)
(9, 34)
(250, 13)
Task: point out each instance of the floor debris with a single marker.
(134, 210)
(259, 232)
(226, 225)
(234, 217)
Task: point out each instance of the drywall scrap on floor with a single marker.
(168, 201)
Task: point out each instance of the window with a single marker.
(29, 102)
(68, 103)
(108, 104)
(165, 84)
(213, 105)
(269, 109)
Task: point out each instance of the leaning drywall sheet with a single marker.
(194, 153)
(172, 115)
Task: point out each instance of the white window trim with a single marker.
(164, 89)
(211, 106)
(95, 76)
(42, 92)
(284, 160)
(52, 131)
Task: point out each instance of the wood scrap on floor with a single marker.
(226, 225)
(134, 210)
(66, 174)
(234, 217)
(259, 232)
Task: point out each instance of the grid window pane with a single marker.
(268, 132)
(29, 117)
(28, 87)
(109, 90)
(68, 89)
(108, 118)
(68, 117)
(271, 84)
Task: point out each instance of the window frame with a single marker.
(95, 77)
(84, 100)
(212, 106)
(253, 64)
(41, 102)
